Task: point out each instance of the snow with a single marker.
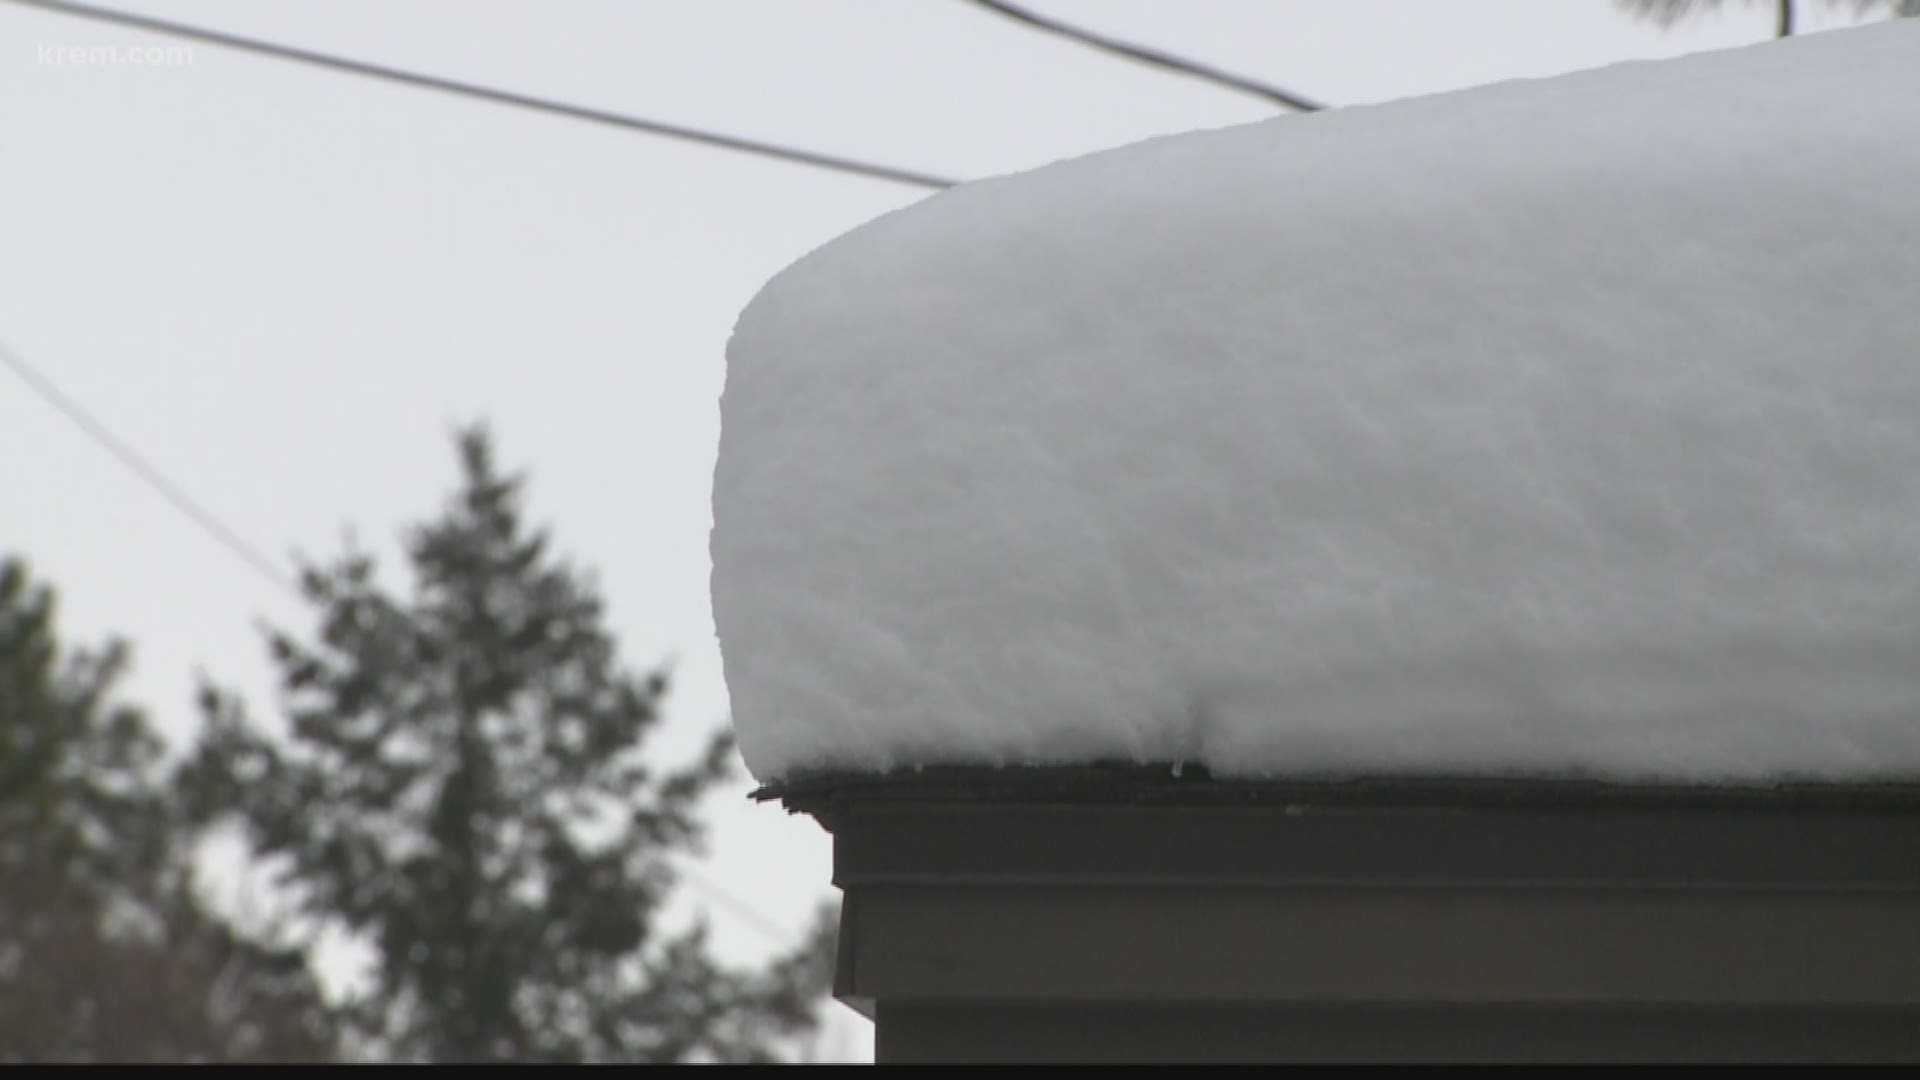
(1558, 427)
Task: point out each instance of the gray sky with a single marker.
(285, 285)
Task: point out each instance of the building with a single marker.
(1125, 914)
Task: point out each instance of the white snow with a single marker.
(1563, 426)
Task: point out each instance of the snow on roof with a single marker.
(1557, 427)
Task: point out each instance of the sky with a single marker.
(286, 286)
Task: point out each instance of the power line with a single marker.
(1148, 55)
(145, 469)
(739, 144)
(768, 927)
(206, 519)
(178, 496)
(236, 545)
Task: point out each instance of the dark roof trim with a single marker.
(1127, 784)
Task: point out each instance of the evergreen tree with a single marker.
(105, 954)
(78, 771)
(462, 785)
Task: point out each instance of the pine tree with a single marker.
(105, 953)
(462, 786)
(79, 781)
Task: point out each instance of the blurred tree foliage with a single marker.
(1785, 12)
(461, 786)
(105, 954)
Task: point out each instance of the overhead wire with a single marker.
(183, 501)
(236, 545)
(1146, 54)
(665, 129)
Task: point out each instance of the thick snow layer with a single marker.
(1563, 426)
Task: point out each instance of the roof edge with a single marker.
(1188, 784)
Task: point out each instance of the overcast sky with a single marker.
(285, 286)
